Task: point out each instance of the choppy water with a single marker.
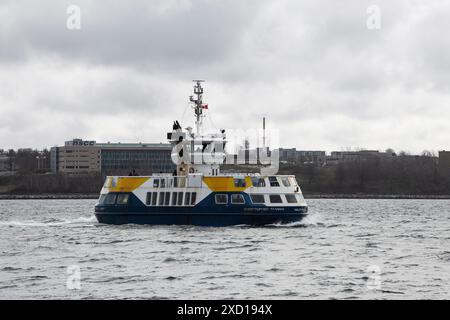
(347, 249)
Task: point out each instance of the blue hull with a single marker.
(204, 214)
(203, 219)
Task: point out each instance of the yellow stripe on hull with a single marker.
(126, 184)
(225, 184)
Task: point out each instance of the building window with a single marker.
(290, 198)
(274, 182)
(122, 198)
(257, 198)
(110, 198)
(221, 199)
(285, 181)
(275, 198)
(187, 198)
(237, 199)
(258, 182)
(239, 183)
(180, 198)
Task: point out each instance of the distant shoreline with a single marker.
(376, 196)
(56, 196)
(59, 196)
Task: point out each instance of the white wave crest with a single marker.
(309, 220)
(31, 223)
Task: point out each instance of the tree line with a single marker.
(401, 175)
(50, 183)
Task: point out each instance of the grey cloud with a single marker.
(312, 68)
(135, 33)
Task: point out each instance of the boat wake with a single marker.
(308, 221)
(31, 223)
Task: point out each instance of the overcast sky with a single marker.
(313, 68)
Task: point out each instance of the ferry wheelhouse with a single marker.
(197, 193)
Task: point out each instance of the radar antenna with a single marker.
(198, 104)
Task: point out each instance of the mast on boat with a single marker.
(197, 152)
(198, 105)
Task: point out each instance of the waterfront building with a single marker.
(361, 155)
(4, 161)
(86, 156)
(7, 162)
(292, 155)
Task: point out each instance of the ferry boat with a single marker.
(198, 193)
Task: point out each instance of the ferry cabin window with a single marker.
(148, 198)
(167, 199)
(154, 198)
(285, 181)
(237, 199)
(180, 198)
(275, 198)
(221, 199)
(290, 198)
(174, 198)
(181, 182)
(187, 198)
(163, 183)
(193, 198)
(122, 198)
(239, 183)
(273, 182)
(156, 183)
(257, 198)
(161, 198)
(293, 181)
(258, 182)
(102, 199)
(110, 198)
